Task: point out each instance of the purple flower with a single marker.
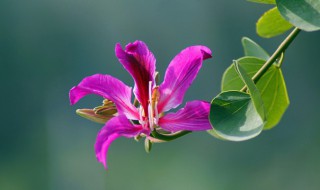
(154, 100)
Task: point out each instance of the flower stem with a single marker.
(169, 137)
(282, 47)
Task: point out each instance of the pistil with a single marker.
(153, 115)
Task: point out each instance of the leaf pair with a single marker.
(304, 14)
(236, 115)
(240, 116)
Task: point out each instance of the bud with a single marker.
(147, 145)
(137, 138)
(107, 102)
(108, 108)
(92, 116)
(100, 114)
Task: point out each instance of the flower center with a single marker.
(153, 115)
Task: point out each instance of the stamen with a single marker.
(156, 113)
(150, 110)
(153, 115)
(141, 114)
(150, 117)
(150, 90)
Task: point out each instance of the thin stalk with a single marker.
(280, 60)
(169, 137)
(282, 47)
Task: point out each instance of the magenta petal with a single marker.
(182, 70)
(109, 88)
(139, 61)
(193, 117)
(114, 128)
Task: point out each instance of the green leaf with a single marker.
(271, 24)
(234, 117)
(254, 92)
(251, 48)
(304, 14)
(271, 86)
(230, 78)
(238, 116)
(264, 1)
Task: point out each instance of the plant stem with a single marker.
(169, 137)
(282, 47)
(280, 60)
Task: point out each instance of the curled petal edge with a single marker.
(117, 127)
(108, 87)
(180, 74)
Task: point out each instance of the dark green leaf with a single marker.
(234, 117)
(251, 48)
(271, 86)
(271, 24)
(304, 14)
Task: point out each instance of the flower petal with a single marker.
(193, 117)
(182, 70)
(114, 128)
(109, 88)
(139, 61)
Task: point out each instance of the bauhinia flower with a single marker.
(148, 118)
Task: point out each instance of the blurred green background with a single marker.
(48, 46)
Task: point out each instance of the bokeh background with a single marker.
(48, 46)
